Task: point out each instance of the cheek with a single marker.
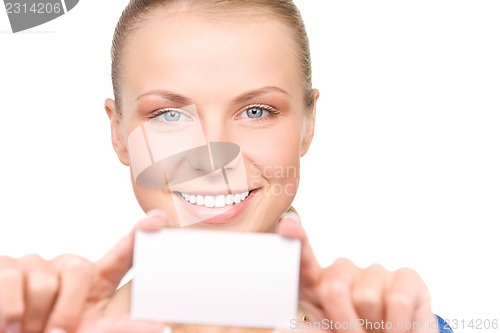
(156, 199)
(275, 153)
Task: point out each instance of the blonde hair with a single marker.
(284, 10)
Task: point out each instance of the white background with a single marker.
(403, 170)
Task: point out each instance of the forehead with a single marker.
(189, 53)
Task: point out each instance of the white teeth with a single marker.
(220, 201)
(209, 201)
(215, 201)
(192, 199)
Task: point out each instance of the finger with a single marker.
(76, 278)
(11, 296)
(290, 226)
(404, 295)
(41, 288)
(335, 295)
(116, 263)
(124, 324)
(367, 296)
(425, 317)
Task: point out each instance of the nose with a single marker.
(213, 156)
(215, 126)
(219, 150)
(199, 159)
(218, 161)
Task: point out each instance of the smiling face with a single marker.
(241, 77)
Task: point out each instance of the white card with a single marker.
(216, 278)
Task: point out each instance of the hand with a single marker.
(344, 293)
(69, 294)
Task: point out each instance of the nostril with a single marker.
(199, 159)
(223, 153)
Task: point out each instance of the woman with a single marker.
(244, 68)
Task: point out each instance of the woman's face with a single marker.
(243, 78)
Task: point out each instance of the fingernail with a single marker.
(14, 327)
(291, 215)
(57, 330)
(167, 329)
(157, 212)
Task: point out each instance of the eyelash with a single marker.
(159, 112)
(269, 108)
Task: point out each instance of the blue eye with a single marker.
(255, 112)
(170, 116)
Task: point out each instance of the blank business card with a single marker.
(216, 278)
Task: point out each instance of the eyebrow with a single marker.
(176, 98)
(256, 93)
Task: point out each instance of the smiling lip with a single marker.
(214, 215)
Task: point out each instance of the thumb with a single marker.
(116, 263)
(290, 226)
